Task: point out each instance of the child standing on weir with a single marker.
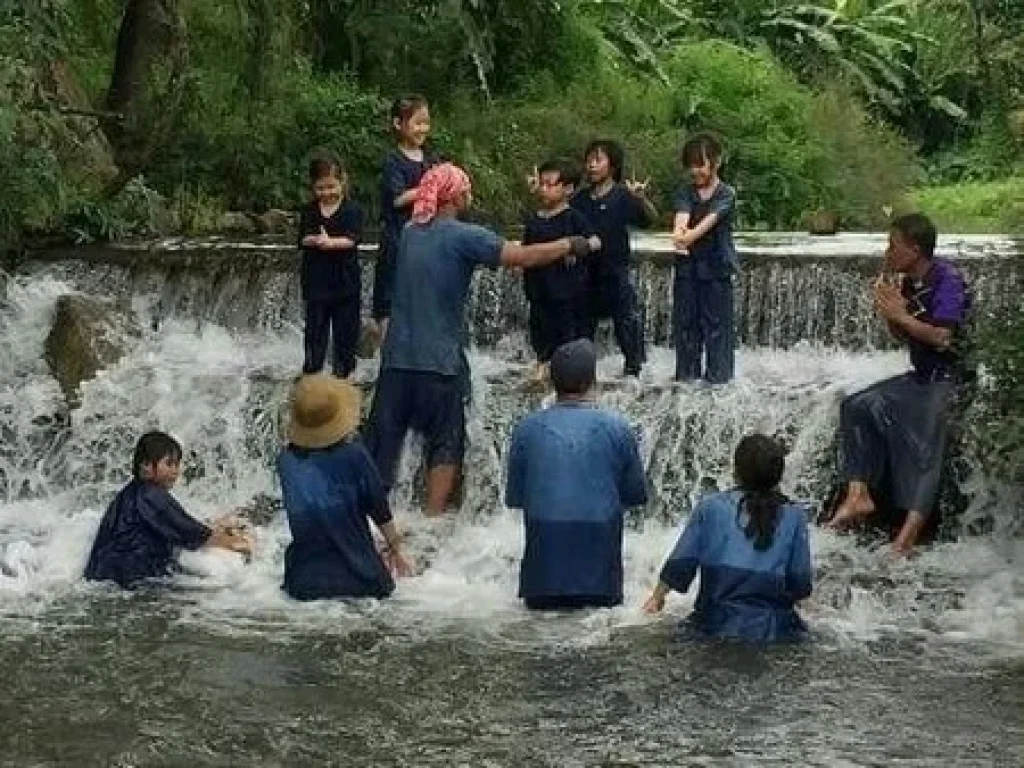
(557, 292)
(404, 166)
(612, 207)
(329, 231)
(705, 261)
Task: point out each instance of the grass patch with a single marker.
(977, 206)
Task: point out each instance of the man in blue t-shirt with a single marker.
(573, 469)
(422, 363)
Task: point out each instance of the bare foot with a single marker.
(855, 507)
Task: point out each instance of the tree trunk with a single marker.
(152, 32)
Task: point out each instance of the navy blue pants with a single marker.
(426, 402)
(702, 326)
(554, 323)
(383, 279)
(894, 437)
(612, 295)
(337, 321)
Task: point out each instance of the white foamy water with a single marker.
(220, 393)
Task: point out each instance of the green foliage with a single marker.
(994, 206)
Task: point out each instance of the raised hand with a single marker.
(638, 188)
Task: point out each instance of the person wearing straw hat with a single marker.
(573, 469)
(421, 384)
(330, 487)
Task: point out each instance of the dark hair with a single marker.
(759, 462)
(324, 165)
(919, 230)
(406, 106)
(151, 448)
(701, 147)
(612, 150)
(567, 172)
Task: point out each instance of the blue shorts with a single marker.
(428, 403)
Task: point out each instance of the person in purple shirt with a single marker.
(573, 469)
(894, 433)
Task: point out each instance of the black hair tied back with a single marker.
(759, 463)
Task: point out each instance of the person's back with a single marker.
(331, 489)
(746, 593)
(434, 270)
(573, 470)
(327, 495)
(752, 550)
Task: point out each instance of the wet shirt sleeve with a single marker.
(723, 201)
(309, 224)
(514, 490)
(798, 569)
(632, 482)
(479, 245)
(949, 300)
(375, 496)
(162, 513)
(681, 567)
(394, 180)
(684, 200)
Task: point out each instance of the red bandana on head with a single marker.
(440, 185)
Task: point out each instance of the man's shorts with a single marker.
(428, 403)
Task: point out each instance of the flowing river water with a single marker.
(917, 662)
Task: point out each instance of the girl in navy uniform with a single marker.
(329, 231)
(404, 166)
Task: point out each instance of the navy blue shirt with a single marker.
(573, 469)
(941, 299)
(329, 495)
(433, 273)
(563, 279)
(611, 217)
(745, 594)
(139, 533)
(714, 256)
(399, 174)
(331, 275)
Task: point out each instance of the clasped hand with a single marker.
(321, 240)
(889, 302)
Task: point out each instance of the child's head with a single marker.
(759, 462)
(911, 239)
(327, 178)
(157, 459)
(410, 120)
(605, 159)
(702, 157)
(556, 181)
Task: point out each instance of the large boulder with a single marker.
(236, 222)
(87, 335)
(275, 222)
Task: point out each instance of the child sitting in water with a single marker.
(752, 549)
(557, 292)
(144, 524)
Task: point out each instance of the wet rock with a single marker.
(235, 221)
(823, 222)
(366, 347)
(275, 222)
(87, 335)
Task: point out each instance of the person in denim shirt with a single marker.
(752, 550)
(702, 302)
(573, 469)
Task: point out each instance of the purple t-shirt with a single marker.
(940, 298)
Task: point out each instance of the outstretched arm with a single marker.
(526, 256)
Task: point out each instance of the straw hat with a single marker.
(325, 410)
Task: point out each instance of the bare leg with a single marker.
(441, 482)
(857, 505)
(909, 533)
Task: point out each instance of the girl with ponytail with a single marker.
(751, 547)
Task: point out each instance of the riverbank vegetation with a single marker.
(124, 117)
